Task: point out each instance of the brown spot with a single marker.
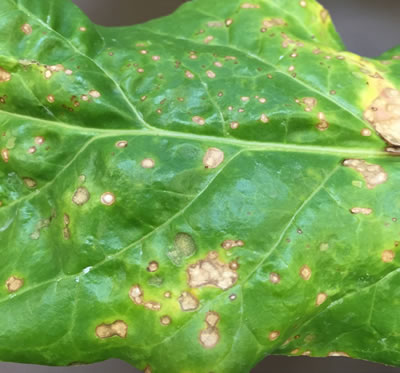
(274, 278)
(213, 158)
(48, 74)
(94, 93)
(50, 98)
(249, 6)
(165, 320)
(14, 283)
(156, 58)
(228, 244)
(26, 28)
(107, 198)
(384, 115)
(372, 173)
(234, 265)
(5, 155)
(199, 120)
(321, 298)
(228, 22)
(232, 297)
(210, 74)
(338, 353)
(309, 102)
(153, 266)
(324, 15)
(361, 210)
(273, 336)
(211, 272)
(295, 351)
(136, 294)
(303, 3)
(81, 196)
(4, 75)
(189, 74)
(117, 328)
(39, 140)
(306, 353)
(366, 132)
(32, 150)
(148, 163)
(273, 22)
(264, 118)
(234, 125)
(305, 272)
(208, 39)
(188, 302)
(388, 256)
(30, 183)
(332, 92)
(85, 98)
(167, 294)
(121, 144)
(82, 28)
(153, 306)
(209, 337)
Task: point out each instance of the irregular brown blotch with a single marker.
(273, 22)
(211, 272)
(321, 298)
(384, 115)
(152, 267)
(361, 210)
(388, 256)
(188, 302)
(14, 283)
(26, 28)
(117, 328)
(305, 272)
(274, 278)
(213, 158)
(136, 294)
(372, 173)
(148, 163)
(94, 93)
(165, 320)
(338, 353)
(228, 244)
(4, 75)
(199, 120)
(5, 155)
(249, 6)
(273, 336)
(209, 337)
(30, 183)
(121, 144)
(81, 196)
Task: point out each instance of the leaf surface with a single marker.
(197, 192)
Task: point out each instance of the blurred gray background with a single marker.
(368, 27)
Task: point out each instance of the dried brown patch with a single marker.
(209, 337)
(372, 173)
(213, 158)
(14, 283)
(136, 294)
(81, 196)
(5, 76)
(188, 301)
(117, 328)
(211, 272)
(384, 115)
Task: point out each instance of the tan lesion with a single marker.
(117, 328)
(209, 336)
(14, 283)
(384, 115)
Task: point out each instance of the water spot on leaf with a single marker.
(211, 272)
(117, 328)
(14, 283)
(81, 196)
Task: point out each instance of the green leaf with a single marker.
(197, 192)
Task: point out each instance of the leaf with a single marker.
(197, 192)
